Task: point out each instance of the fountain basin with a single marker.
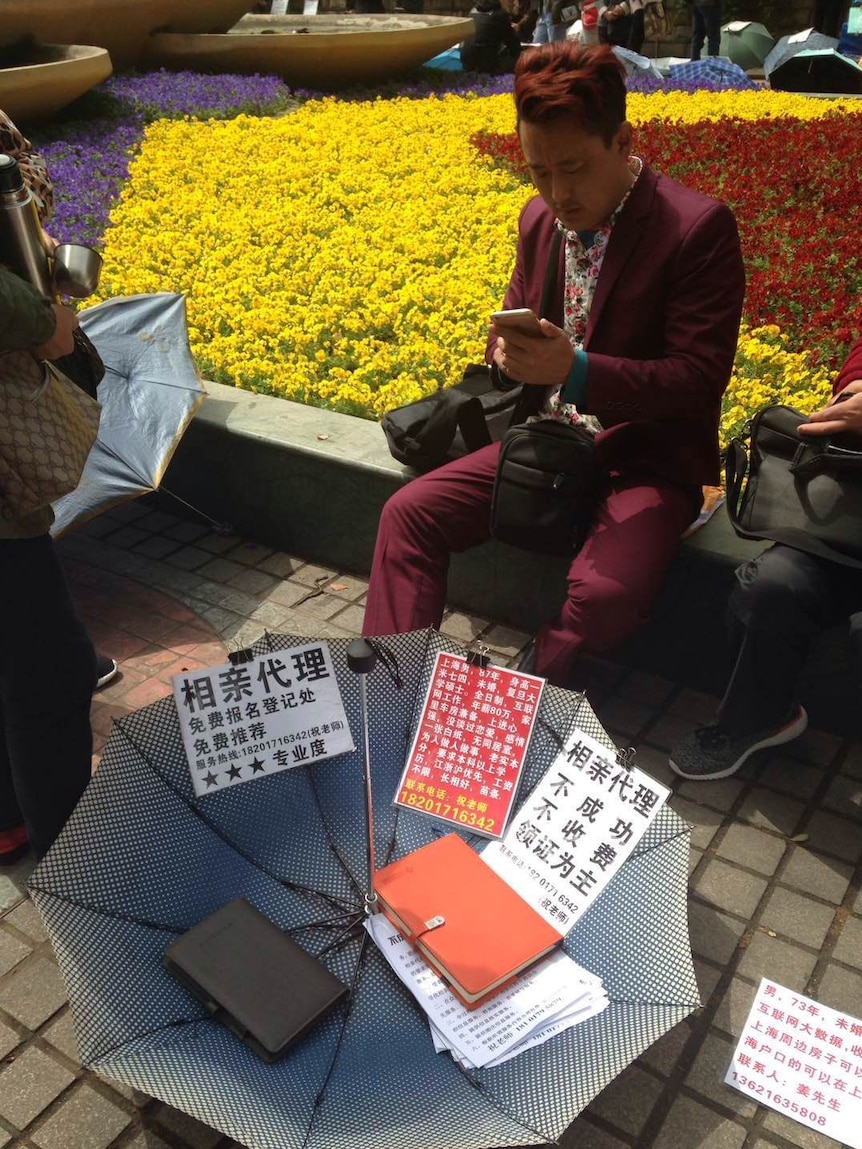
(326, 51)
(37, 80)
(121, 26)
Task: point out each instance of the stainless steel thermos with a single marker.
(21, 248)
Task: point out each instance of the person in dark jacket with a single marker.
(495, 46)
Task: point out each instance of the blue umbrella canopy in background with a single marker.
(149, 393)
(788, 46)
(142, 860)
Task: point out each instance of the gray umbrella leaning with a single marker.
(142, 860)
(746, 42)
(149, 393)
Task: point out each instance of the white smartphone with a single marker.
(521, 318)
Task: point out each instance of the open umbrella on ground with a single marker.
(818, 70)
(142, 860)
(715, 69)
(788, 46)
(634, 63)
(149, 393)
(746, 42)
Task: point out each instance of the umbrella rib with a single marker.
(127, 376)
(332, 899)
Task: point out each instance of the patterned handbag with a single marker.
(47, 427)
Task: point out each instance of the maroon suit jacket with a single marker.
(852, 368)
(662, 329)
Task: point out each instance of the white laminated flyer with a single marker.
(576, 829)
(247, 720)
(552, 995)
(802, 1059)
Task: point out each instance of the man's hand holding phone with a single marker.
(530, 349)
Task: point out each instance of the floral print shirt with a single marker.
(33, 167)
(583, 265)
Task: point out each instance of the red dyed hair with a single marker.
(566, 79)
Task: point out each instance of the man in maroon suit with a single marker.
(639, 343)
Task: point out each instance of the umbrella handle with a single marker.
(361, 659)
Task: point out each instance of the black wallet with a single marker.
(253, 978)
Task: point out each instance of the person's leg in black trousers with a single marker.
(781, 602)
(712, 19)
(636, 32)
(47, 675)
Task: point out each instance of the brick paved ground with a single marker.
(775, 859)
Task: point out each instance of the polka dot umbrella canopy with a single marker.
(142, 860)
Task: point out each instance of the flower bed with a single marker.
(348, 255)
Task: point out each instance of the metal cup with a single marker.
(76, 270)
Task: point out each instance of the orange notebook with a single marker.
(467, 923)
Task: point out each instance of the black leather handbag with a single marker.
(548, 483)
(805, 493)
(83, 365)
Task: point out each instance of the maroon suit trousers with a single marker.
(612, 582)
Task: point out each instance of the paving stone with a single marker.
(12, 951)
(752, 848)
(313, 576)
(270, 616)
(249, 554)
(280, 564)
(13, 882)
(28, 919)
(628, 1101)
(148, 1140)
(9, 1038)
(582, 1134)
(707, 978)
(694, 706)
(32, 992)
(462, 627)
(654, 763)
(797, 1133)
(218, 543)
(220, 570)
(351, 618)
(815, 875)
(721, 795)
(127, 537)
(839, 837)
(193, 1132)
(797, 917)
(61, 1034)
(285, 593)
(690, 1124)
(852, 763)
(845, 796)
(841, 988)
(186, 531)
(188, 558)
(703, 821)
(786, 963)
(156, 547)
(667, 732)
(713, 935)
(321, 606)
(85, 1120)
(506, 639)
(347, 587)
(734, 1006)
(156, 521)
(29, 1085)
(695, 857)
(5, 1138)
(849, 946)
(777, 812)
(791, 776)
(706, 1077)
(729, 888)
(651, 689)
(252, 581)
(625, 715)
(814, 746)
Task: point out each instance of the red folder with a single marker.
(466, 922)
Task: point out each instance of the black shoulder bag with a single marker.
(805, 493)
(458, 420)
(549, 481)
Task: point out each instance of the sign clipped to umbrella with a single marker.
(144, 859)
(149, 393)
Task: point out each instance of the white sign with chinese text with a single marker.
(575, 830)
(804, 1060)
(248, 720)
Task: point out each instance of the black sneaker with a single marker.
(106, 670)
(709, 752)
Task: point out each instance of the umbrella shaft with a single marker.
(370, 895)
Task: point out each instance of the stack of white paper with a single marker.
(554, 995)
